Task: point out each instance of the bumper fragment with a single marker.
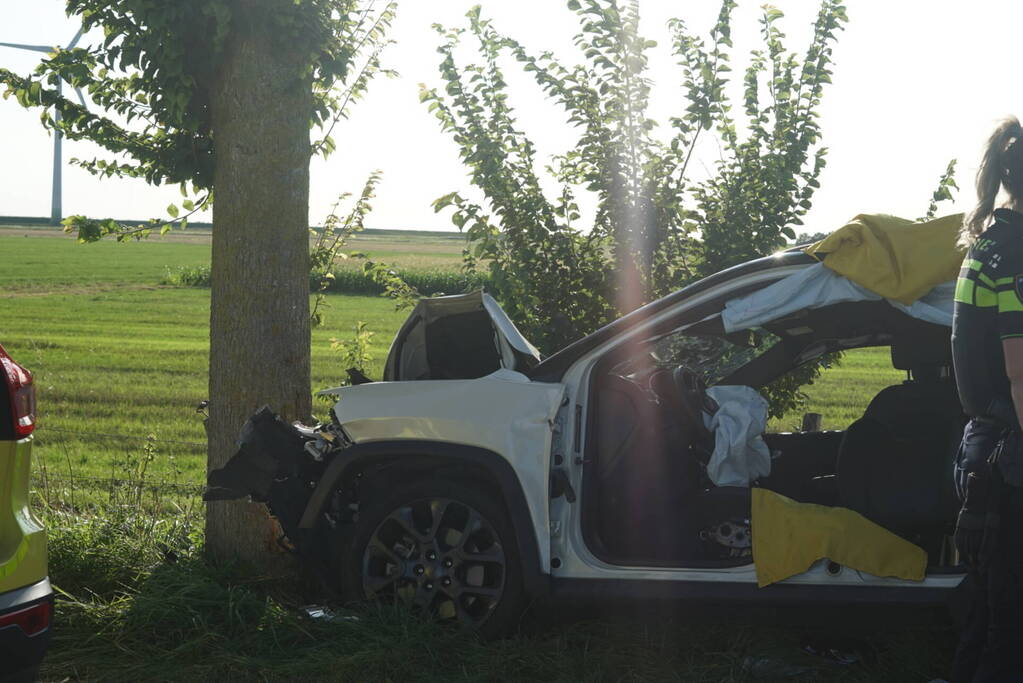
(25, 626)
(269, 449)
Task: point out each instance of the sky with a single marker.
(916, 83)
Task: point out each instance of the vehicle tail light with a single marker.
(22, 394)
(31, 620)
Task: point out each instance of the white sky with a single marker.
(916, 83)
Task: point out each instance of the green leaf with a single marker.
(172, 209)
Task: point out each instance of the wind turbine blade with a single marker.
(74, 41)
(34, 48)
(78, 91)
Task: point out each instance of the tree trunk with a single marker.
(259, 313)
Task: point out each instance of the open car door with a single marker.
(464, 336)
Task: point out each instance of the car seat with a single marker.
(895, 463)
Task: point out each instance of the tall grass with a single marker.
(137, 600)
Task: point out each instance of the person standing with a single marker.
(987, 349)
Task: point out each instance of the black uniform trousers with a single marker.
(991, 645)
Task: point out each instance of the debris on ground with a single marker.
(322, 613)
(831, 654)
(770, 667)
(826, 657)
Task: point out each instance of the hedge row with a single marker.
(351, 281)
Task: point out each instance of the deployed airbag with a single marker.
(740, 454)
(816, 287)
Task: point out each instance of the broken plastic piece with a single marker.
(267, 448)
(322, 613)
(768, 667)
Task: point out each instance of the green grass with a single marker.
(118, 358)
(842, 393)
(134, 362)
(39, 265)
(54, 261)
(139, 602)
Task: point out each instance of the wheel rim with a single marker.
(439, 556)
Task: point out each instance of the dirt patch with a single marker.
(425, 244)
(94, 288)
(180, 237)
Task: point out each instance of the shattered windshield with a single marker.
(712, 357)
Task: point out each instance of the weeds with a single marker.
(138, 601)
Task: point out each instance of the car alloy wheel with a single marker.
(439, 555)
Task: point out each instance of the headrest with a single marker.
(921, 345)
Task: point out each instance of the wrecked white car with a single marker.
(478, 476)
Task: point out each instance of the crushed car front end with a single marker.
(437, 480)
(498, 427)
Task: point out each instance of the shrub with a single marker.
(428, 282)
(187, 276)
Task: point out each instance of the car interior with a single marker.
(648, 498)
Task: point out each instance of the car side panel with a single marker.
(504, 413)
(429, 456)
(22, 537)
(576, 558)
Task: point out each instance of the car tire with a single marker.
(444, 547)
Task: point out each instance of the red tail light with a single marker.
(31, 620)
(22, 394)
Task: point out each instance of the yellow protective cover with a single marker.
(788, 537)
(894, 257)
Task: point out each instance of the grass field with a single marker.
(118, 358)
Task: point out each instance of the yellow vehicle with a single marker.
(26, 598)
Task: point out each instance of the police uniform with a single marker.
(989, 309)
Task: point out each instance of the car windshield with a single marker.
(711, 357)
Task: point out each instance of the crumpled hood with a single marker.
(504, 412)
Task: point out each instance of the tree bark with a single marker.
(259, 312)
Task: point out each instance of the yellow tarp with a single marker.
(788, 537)
(894, 257)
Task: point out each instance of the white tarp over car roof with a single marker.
(817, 286)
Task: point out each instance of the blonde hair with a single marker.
(1002, 166)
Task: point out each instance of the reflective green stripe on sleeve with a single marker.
(964, 291)
(986, 298)
(976, 294)
(988, 281)
(1008, 301)
(972, 264)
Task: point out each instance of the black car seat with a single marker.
(895, 463)
(682, 396)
